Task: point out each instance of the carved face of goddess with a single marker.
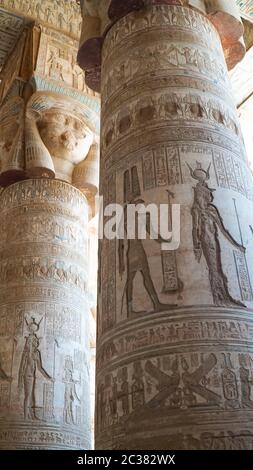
(65, 136)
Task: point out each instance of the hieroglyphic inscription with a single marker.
(161, 16)
(161, 167)
(194, 381)
(35, 437)
(4, 396)
(42, 228)
(63, 16)
(63, 322)
(243, 276)
(48, 401)
(108, 264)
(174, 166)
(170, 275)
(11, 319)
(173, 333)
(148, 170)
(35, 191)
(232, 174)
(172, 54)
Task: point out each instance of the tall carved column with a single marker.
(174, 357)
(44, 321)
(44, 278)
(49, 121)
(44, 273)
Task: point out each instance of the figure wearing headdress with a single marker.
(137, 260)
(207, 222)
(31, 363)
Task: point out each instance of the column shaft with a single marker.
(44, 359)
(174, 358)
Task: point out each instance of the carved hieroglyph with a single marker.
(100, 15)
(44, 358)
(175, 352)
(61, 15)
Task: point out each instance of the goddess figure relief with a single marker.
(30, 365)
(207, 222)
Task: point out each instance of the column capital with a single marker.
(99, 16)
(47, 136)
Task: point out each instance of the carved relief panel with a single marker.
(156, 143)
(163, 389)
(57, 61)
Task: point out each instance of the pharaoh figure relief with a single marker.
(207, 222)
(70, 395)
(136, 258)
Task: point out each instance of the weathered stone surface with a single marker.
(86, 176)
(62, 15)
(46, 137)
(44, 356)
(60, 126)
(49, 121)
(174, 327)
(99, 16)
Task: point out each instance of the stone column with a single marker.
(174, 353)
(43, 313)
(44, 274)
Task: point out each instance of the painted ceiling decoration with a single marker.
(11, 27)
(63, 15)
(246, 7)
(47, 32)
